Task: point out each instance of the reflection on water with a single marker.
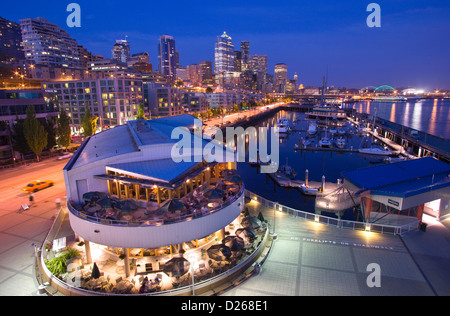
(429, 116)
(318, 163)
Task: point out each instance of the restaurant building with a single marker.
(133, 164)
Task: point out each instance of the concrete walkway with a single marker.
(306, 258)
(313, 259)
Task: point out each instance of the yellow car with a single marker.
(37, 185)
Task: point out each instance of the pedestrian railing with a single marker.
(330, 221)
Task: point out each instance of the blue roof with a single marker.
(402, 179)
(165, 170)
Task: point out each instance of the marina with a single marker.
(356, 142)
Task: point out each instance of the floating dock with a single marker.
(313, 188)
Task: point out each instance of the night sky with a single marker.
(411, 48)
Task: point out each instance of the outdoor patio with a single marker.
(204, 200)
(106, 273)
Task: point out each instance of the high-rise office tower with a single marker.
(206, 72)
(121, 51)
(47, 44)
(245, 55)
(224, 54)
(280, 77)
(167, 58)
(260, 63)
(10, 42)
(237, 61)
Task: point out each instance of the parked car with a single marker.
(37, 185)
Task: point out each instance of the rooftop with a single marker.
(402, 179)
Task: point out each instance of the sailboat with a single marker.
(325, 141)
(340, 142)
(283, 125)
(312, 127)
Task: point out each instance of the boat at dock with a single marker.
(283, 125)
(340, 142)
(312, 128)
(375, 151)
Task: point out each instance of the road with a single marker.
(20, 229)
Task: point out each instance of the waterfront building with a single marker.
(121, 51)
(13, 106)
(167, 58)
(196, 102)
(46, 44)
(409, 188)
(113, 100)
(171, 214)
(224, 100)
(11, 49)
(162, 100)
(224, 54)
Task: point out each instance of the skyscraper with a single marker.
(167, 57)
(237, 61)
(280, 77)
(245, 55)
(121, 51)
(47, 44)
(260, 63)
(224, 54)
(206, 72)
(10, 42)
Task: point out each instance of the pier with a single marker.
(407, 141)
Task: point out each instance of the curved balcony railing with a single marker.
(160, 221)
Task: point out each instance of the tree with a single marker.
(50, 127)
(35, 133)
(18, 138)
(63, 130)
(141, 112)
(88, 122)
(209, 90)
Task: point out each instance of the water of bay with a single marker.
(430, 116)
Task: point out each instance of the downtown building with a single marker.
(223, 55)
(121, 51)
(113, 100)
(167, 56)
(45, 43)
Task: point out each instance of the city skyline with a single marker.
(409, 49)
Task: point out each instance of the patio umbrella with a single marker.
(219, 252)
(176, 267)
(251, 222)
(214, 194)
(95, 271)
(228, 172)
(235, 179)
(172, 206)
(106, 202)
(261, 217)
(94, 196)
(126, 206)
(245, 232)
(235, 243)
